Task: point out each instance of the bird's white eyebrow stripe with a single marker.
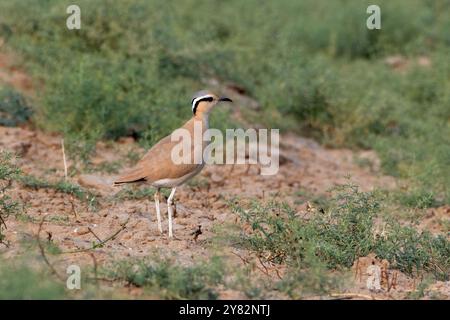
(194, 102)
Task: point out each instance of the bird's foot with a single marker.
(173, 238)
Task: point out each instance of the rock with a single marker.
(81, 230)
(216, 178)
(123, 218)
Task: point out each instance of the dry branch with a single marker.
(64, 159)
(42, 251)
(355, 295)
(101, 242)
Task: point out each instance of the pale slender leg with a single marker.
(158, 211)
(170, 210)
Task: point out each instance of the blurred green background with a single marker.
(313, 66)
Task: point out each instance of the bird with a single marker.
(157, 168)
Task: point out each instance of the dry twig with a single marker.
(101, 242)
(354, 295)
(64, 159)
(42, 251)
(92, 232)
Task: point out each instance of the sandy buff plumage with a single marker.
(157, 168)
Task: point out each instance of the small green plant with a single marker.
(339, 235)
(413, 252)
(199, 182)
(244, 281)
(107, 167)
(14, 109)
(168, 280)
(420, 291)
(8, 172)
(417, 199)
(20, 281)
(62, 186)
(319, 201)
(134, 193)
(313, 278)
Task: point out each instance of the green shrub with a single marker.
(19, 281)
(62, 186)
(167, 280)
(14, 109)
(413, 252)
(339, 235)
(8, 172)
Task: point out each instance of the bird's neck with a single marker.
(204, 118)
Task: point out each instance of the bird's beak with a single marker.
(225, 99)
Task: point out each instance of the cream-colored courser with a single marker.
(157, 169)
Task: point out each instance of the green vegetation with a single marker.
(131, 69)
(20, 281)
(168, 280)
(416, 199)
(136, 193)
(8, 172)
(335, 237)
(62, 186)
(14, 109)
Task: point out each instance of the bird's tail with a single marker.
(134, 175)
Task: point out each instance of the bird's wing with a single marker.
(157, 164)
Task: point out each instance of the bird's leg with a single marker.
(174, 205)
(248, 169)
(170, 210)
(158, 212)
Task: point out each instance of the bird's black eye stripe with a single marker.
(209, 99)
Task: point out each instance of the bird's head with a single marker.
(204, 101)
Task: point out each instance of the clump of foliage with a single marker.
(335, 237)
(340, 234)
(8, 172)
(413, 252)
(167, 280)
(14, 109)
(130, 193)
(19, 281)
(418, 198)
(313, 278)
(62, 186)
